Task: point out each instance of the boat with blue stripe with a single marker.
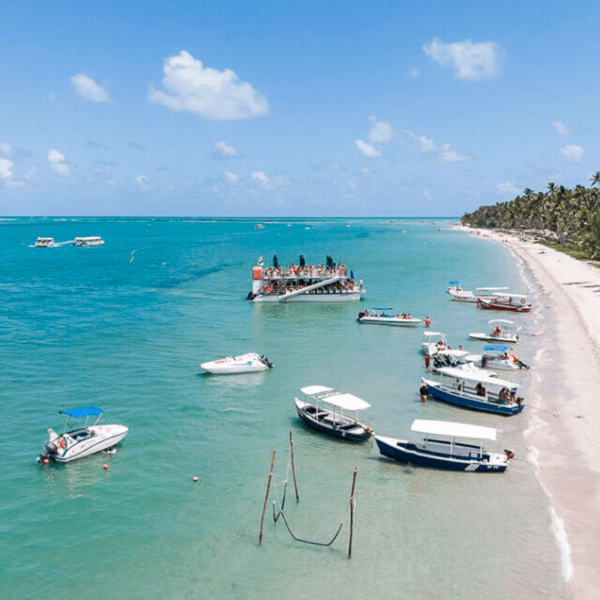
(475, 390)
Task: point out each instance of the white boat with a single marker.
(244, 363)
(459, 295)
(82, 440)
(382, 316)
(44, 242)
(92, 240)
(500, 331)
(304, 283)
(506, 302)
(433, 341)
(326, 410)
(440, 449)
(259, 226)
(497, 357)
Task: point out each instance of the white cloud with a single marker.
(470, 61)
(506, 187)
(232, 177)
(572, 152)
(381, 132)
(142, 181)
(368, 150)
(225, 150)
(414, 73)
(88, 89)
(58, 163)
(6, 173)
(206, 92)
(260, 176)
(6, 148)
(560, 128)
(448, 154)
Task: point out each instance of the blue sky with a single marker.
(276, 108)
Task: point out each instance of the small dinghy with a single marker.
(245, 363)
(83, 440)
(440, 449)
(382, 316)
(327, 411)
(500, 331)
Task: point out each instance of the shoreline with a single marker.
(563, 437)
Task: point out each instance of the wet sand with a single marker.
(563, 434)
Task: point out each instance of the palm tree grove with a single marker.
(569, 218)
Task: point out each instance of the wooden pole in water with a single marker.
(352, 512)
(294, 468)
(262, 519)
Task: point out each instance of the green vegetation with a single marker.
(567, 219)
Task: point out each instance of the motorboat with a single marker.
(440, 449)
(382, 316)
(304, 283)
(80, 439)
(459, 295)
(259, 226)
(475, 390)
(244, 363)
(332, 412)
(497, 356)
(505, 301)
(433, 341)
(450, 357)
(500, 331)
(86, 242)
(44, 242)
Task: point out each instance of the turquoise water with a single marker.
(127, 331)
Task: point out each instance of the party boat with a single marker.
(440, 449)
(83, 439)
(86, 242)
(304, 283)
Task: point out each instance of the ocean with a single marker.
(125, 327)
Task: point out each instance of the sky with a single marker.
(277, 108)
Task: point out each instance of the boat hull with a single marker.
(322, 422)
(520, 308)
(309, 297)
(405, 451)
(471, 402)
(487, 337)
(391, 321)
(105, 437)
(245, 363)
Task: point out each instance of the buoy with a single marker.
(195, 479)
(105, 467)
(45, 461)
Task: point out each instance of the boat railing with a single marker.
(308, 272)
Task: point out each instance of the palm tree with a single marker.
(595, 178)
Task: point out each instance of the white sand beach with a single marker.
(564, 435)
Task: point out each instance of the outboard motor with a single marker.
(266, 361)
(49, 452)
(509, 453)
(250, 296)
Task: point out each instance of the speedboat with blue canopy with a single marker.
(500, 356)
(333, 412)
(383, 316)
(475, 390)
(440, 449)
(79, 437)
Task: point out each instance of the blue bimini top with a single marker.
(497, 347)
(77, 413)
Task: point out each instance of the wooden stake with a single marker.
(262, 519)
(294, 468)
(352, 513)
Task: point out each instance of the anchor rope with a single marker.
(281, 514)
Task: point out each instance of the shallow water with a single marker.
(126, 331)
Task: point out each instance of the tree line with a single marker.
(570, 217)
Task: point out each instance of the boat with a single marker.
(505, 301)
(497, 356)
(459, 295)
(259, 226)
(433, 341)
(304, 283)
(500, 331)
(450, 357)
(44, 242)
(382, 316)
(475, 390)
(326, 410)
(89, 241)
(440, 449)
(82, 440)
(244, 363)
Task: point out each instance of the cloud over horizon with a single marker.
(468, 60)
(206, 92)
(58, 163)
(573, 153)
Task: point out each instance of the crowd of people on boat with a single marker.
(295, 271)
(284, 286)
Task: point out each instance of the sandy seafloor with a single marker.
(564, 434)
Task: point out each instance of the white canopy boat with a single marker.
(475, 390)
(382, 316)
(83, 440)
(86, 242)
(459, 295)
(433, 341)
(244, 363)
(440, 449)
(505, 301)
(44, 242)
(500, 331)
(326, 410)
(497, 356)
